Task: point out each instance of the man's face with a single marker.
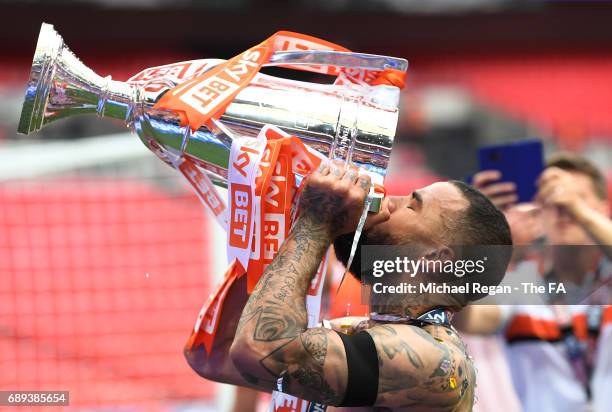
(560, 228)
(420, 219)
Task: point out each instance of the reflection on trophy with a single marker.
(356, 124)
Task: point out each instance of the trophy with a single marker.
(353, 119)
(355, 123)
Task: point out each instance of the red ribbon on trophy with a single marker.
(262, 192)
(207, 96)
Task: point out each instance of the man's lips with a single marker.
(391, 203)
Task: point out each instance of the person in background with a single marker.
(560, 356)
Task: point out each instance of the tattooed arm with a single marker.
(272, 338)
(424, 368)
(217, 364)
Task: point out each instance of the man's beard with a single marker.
(343, 243)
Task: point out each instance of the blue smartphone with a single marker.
(519, 162)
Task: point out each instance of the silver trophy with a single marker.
(350, 123)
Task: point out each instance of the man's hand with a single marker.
(525, 222)
(557, 188)
(501, 194)
(334, 197)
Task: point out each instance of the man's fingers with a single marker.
(498, 189)
(527, 208)
(551, 175)
(337, 169)
(364, 181)
(505, 200)
(485, 177)
(323, 168)
(548, 191)
(547, 188)
(350, 176)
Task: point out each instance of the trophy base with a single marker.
(43, 65)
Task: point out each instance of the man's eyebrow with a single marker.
(417, 196)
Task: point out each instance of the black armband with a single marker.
(362, 366)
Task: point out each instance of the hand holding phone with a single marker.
(502, 194)
(509, 172)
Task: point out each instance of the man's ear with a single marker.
(436, 256)
(441, 253)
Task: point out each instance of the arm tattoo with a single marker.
(315, 344)
(431, 373)
(273, 324)
(392, 347)
(253, 380)
(313, 385)
(310, 374)
(439, 380)
(275, 318)
(404, 348)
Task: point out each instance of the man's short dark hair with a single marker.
(572, 162)
(482, 223)
(483, 229)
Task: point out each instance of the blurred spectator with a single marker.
(560, 356)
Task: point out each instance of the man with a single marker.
(399, 362)
(560, 356)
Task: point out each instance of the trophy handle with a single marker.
(347, 60)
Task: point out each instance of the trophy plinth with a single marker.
(61, 86)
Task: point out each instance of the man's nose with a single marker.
(394, 203)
